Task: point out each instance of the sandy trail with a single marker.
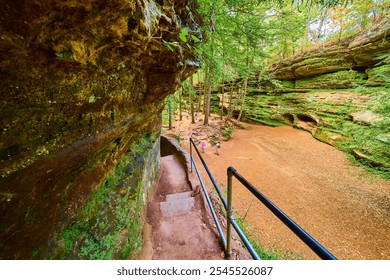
(342, 206)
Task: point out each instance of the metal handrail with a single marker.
(222, 236)
(303, 235)
(314, 245)
(218, 190)
(192, 143)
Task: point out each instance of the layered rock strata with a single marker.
(357, 54)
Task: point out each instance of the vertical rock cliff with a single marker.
(82, 88)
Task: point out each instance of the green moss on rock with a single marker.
(379, 76)
(322, 65)
(337, 80)
(109, 225)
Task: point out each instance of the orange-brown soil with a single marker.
(342, 206)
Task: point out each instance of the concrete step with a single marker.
(177, 207)
(168, 157)
(177, 196)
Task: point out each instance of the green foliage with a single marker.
(379, 76)
(355, 16)
(195, 39)
(174, 102)
(171, 45)
(227, 132)
(383, 59)
(381, 103)
(235, 44)
(373, 143)
(183, 35)
(185, 39)
(242, 33)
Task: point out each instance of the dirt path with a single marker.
(342, 206)
(179, 229)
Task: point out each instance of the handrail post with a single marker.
(229, 213)
(191, 154)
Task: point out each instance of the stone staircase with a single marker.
(180, 227)
(177, 204)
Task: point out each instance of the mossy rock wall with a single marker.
(379, 76)
(81, 82)
(336, 80)
(109, 225)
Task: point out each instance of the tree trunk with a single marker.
(170, 111)
(192, 101)
(307, 29)
(205, 87)
(223, 97)
(208, 100)
(244, 90)
(320, 25)
(180, 108)
(232, 106)
(341, 29)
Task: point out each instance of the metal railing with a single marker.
(294, 227)
(315, 246)
(215, 217)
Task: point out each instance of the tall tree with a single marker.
(241, 32)
(180, 103)
(235, 34)
(170, 112)
(222, 97)
(189, 87)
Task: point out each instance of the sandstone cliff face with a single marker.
(353, 54)
(82, 85)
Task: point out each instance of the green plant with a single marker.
(171, 45)
(226, 132)
(185, 38)
(177, 137)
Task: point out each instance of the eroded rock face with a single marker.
(81, 81)
(358, 52)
